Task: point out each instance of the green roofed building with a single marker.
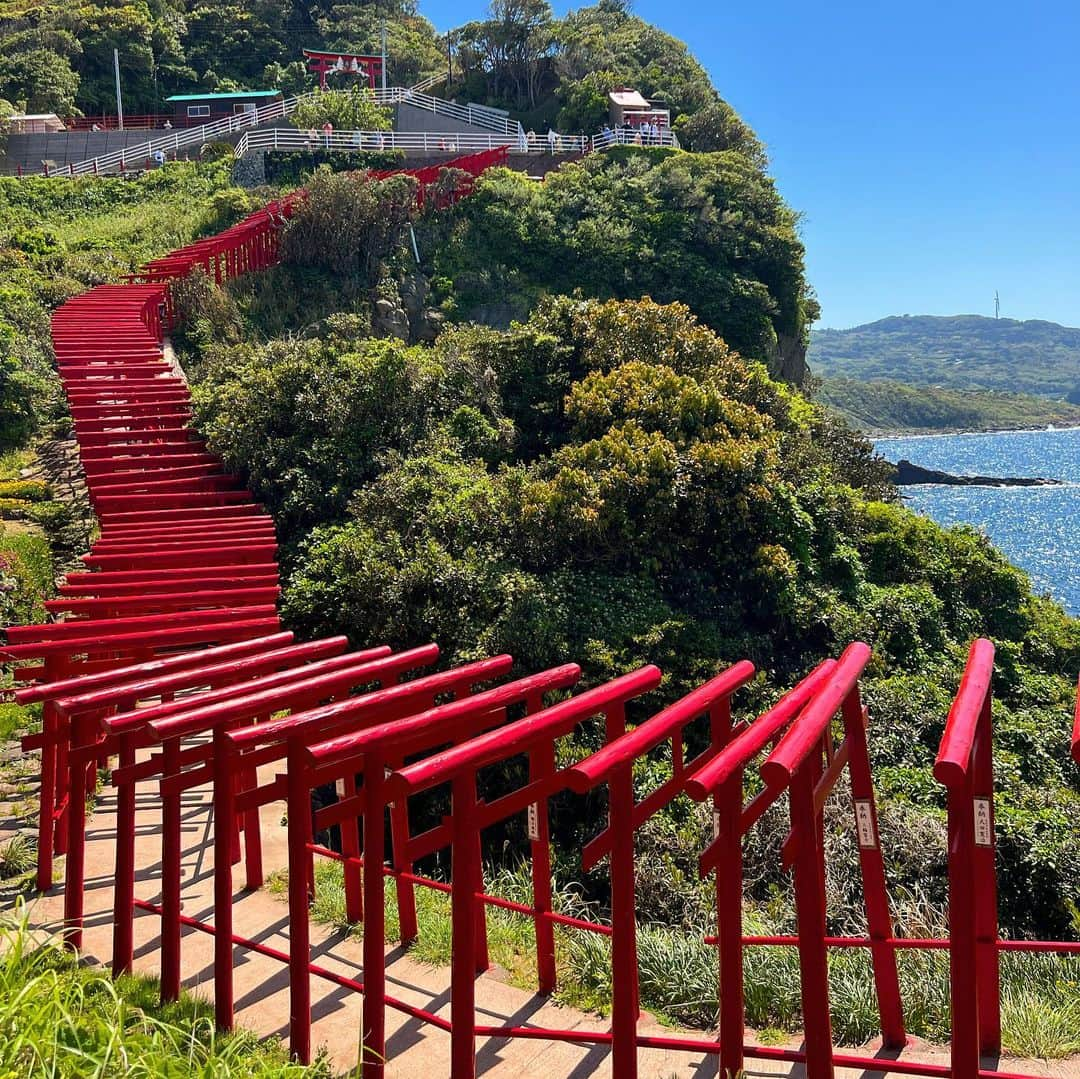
(193, 109)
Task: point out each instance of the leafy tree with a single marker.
(584, 104)
(40, 80)
(512, 49)
(719, 239)
(348, 110)
(719, 127)
(607, 37)
(126, 25)
(349, 224)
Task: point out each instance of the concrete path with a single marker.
(414, 1049)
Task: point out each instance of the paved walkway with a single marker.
(414, 1049)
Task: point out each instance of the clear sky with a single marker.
(933, 148)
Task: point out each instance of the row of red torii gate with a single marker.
(167, 659)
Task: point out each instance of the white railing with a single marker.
(555, 143)
(136, 156)
(426, 84)
(434, 142)
(503, 132)
(622, 136)
(476, 115)
(176, 140)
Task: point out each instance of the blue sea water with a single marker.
(1038, 528)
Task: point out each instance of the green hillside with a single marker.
(884, 405)
(963, 352)
(563, 421)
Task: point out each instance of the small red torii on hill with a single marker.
(352, 63)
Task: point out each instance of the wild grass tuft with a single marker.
(71, 1022)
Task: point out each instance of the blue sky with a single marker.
(934, 149)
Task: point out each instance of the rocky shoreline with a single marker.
(906, 474)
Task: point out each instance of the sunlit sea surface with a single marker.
(1038, 528)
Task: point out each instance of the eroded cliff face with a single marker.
(788, 360)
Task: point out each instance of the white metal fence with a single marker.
(173, 141)
(622, 136)
(290, 138)
(502, 131)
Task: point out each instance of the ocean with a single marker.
(1038, 528)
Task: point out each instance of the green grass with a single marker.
(26, 575)
(679, 978)
(17, 857)
(13, 462)
(61, 1020)
(18, 718)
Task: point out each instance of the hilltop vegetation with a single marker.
(602, 457)
(884, 405)
(584, 229)
(57, 57)
(609, 480)
(962, 352)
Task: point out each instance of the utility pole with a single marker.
(119, 102)
(384, 55)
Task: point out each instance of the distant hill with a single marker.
(881, 406)
(962, 352)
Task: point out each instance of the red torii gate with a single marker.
(349, 63)
(177, 532)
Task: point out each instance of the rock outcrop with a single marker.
(908, 475)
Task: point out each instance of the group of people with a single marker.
(360, 139)
(556, 143)
(644, 134)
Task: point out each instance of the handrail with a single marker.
(1076, 728)
(291, 138)
(429, 82)
(514, 738)
(953, 763)
(798, 743)
(648, 735)
(402, 730)
(187, 136)
(169, 721)
(476, 115)
(621, 137)
(746, 745)
(96, 681)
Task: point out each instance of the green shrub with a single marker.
(25, 490)
(611, 482)
(354, 109)
(26, 577)
(291, 166)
